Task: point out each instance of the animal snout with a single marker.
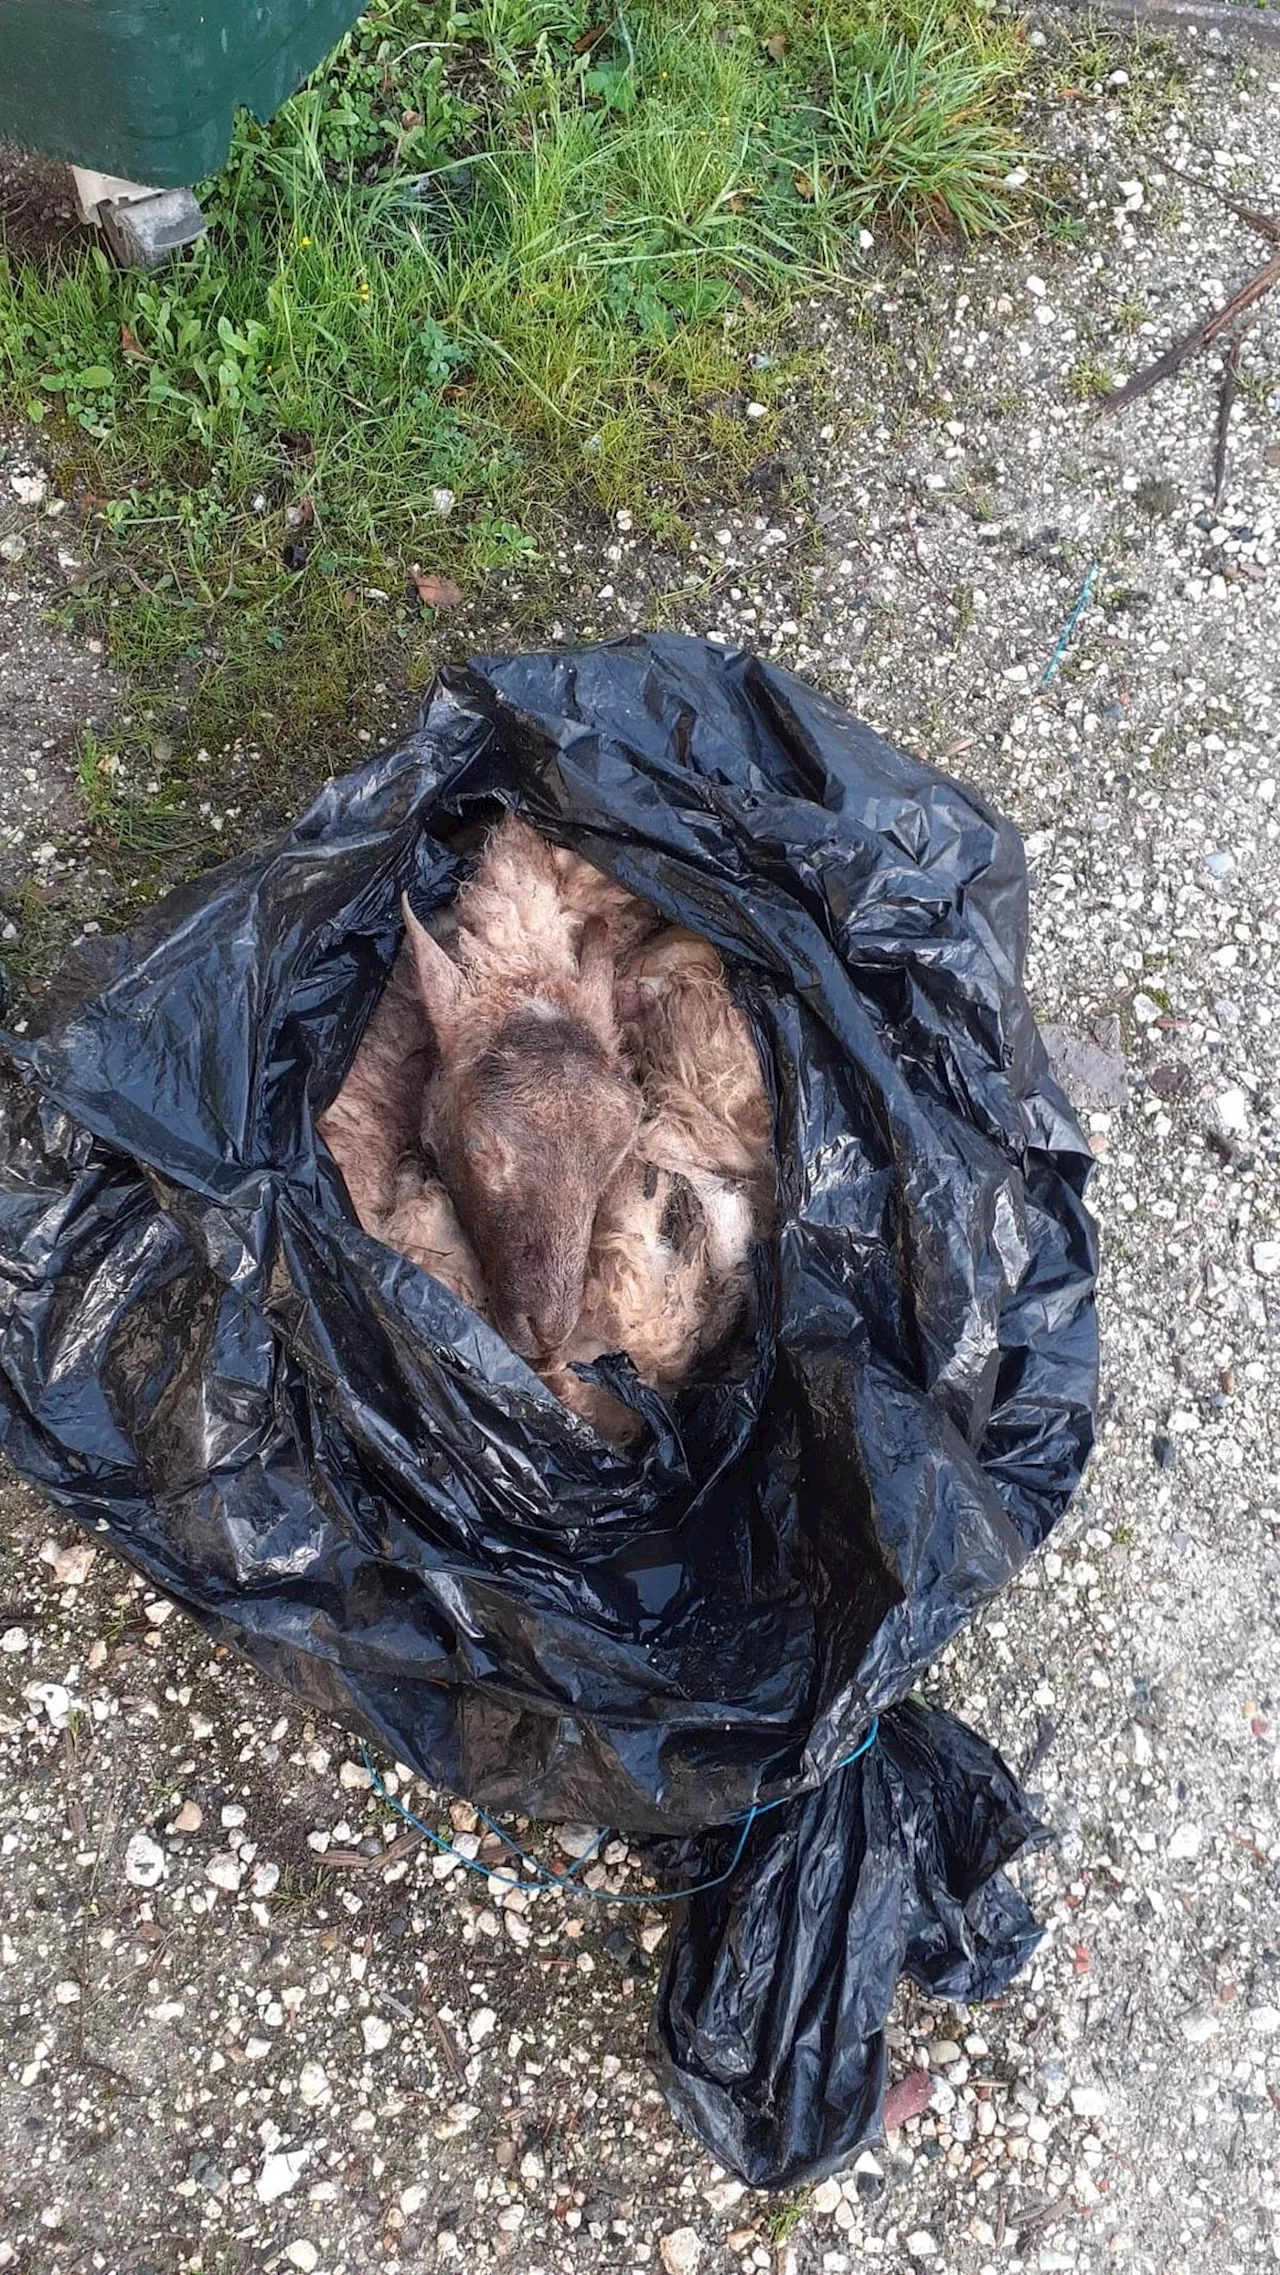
(536, 1334)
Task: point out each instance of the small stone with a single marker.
(266, 1879)
(233, 1815)
(313, 2085)
(1198, 2029)
(908, 2097)
(1231, 1113)
(1088, 2101)
(144, 1864)
(754, 411)
(1145, 1009)
(225, 1871)
(482, 2023)
(1171, 1079)
(1264, 2021)
(29, 489)
(1266, 1259)
(826, 2196)
(302, 2255)
(13, 1640)
(53, 1699)
(158, 1613)
(376, 2033)
(66, 1994)
(72, 1566)
(577, 1840)
(13, 547)
(280, 2173)
(921, 2245)
(413, 2198)
(1093, 1079)
(942, 2052)
(1184, 1842)
(680, 2251)
(353, 1777)
(724, 2194)
(651, 1936)
(189, 1819)
(443, 501)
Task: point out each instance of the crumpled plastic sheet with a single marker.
(330, 1462)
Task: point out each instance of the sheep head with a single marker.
(530, 1107)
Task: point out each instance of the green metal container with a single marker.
(146, 89)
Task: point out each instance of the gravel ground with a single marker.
(306, 2047)
(50, 688)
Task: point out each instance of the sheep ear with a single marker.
(596, 979)
(439, 979)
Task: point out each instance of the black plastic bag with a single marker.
(331, 1462)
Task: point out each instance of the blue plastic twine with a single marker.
(545, 1879)
(1086, 595)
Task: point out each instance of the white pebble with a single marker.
(376, 2033)
(303, 2255)
(482, 2022)
(1185, 1841)
(280, 2172)
(680, 2251)
(1264, 2021)
(224, 1871)
(54, 1698)
(1088, 2101)
(72, 1566)
(144, 1862)
(313, 2085)
(1231, 1112)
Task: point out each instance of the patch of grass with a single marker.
(786, 2215)
(1088, 379)
(1136, 72)
(25, 959)
(131, 812)
(488, 260)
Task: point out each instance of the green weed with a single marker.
(786, 2215)
(489, 259)
(129, 816)
(1088, 380)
